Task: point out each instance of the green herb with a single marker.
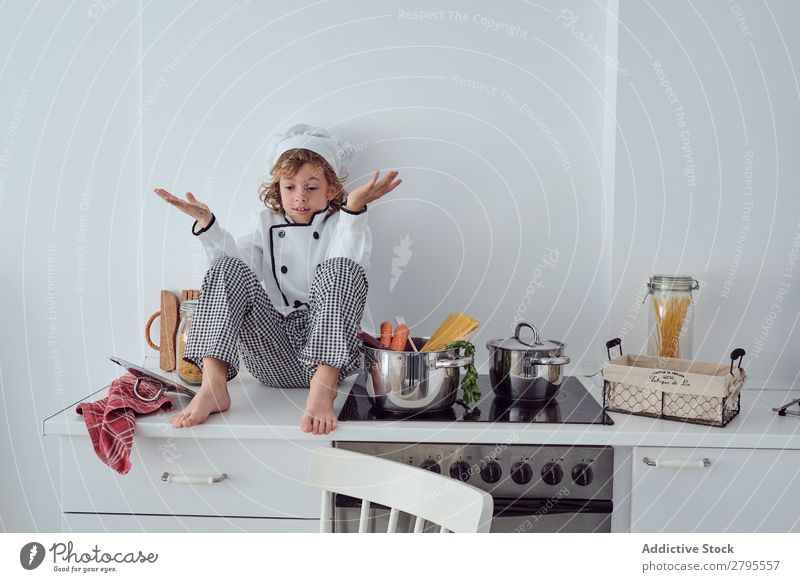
(469, 385)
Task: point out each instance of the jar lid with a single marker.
(526, 344)
(188, 305)
(672, 283)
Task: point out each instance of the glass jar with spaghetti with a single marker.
(188, 372)
(671, 316)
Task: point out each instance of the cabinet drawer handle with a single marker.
(192, 479)
(668, 464)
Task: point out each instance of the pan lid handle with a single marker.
(518, 329)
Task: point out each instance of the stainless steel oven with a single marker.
(547, 488)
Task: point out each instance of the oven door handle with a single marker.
(513, 507)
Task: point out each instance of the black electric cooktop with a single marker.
(572, 404)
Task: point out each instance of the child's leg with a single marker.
(233, 304)
(212, 397)
(332, 348)
(318, 416)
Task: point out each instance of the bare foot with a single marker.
(318, 417)
(212, 397)
(206, 402)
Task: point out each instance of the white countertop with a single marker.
(261, 412)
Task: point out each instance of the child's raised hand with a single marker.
(191, 206)
(372, 190)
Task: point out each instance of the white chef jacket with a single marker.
(284, 255)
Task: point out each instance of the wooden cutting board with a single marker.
(169, 330)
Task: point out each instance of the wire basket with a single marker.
(673, 389)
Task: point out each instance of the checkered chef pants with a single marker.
(235, 314)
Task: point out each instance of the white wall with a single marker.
(70, 207)
(102, 104)
(484, 190)
(715, 198)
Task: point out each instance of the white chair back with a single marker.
(428, 496)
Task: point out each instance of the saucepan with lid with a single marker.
(526, 370)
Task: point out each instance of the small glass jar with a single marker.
(187, 372)
(671, 318)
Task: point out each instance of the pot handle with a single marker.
(159, 393)
(455, 362)
(557, 361)
(535, 331)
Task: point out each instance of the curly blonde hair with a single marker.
(287, 165)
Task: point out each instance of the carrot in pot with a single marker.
(400, 338)
(386, 334)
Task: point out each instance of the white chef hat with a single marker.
(334, 149)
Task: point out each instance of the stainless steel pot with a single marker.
(526, 371)
(413, 381)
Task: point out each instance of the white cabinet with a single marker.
(738, 490)
(264, 479)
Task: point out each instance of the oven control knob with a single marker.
(582, 474)
(460, 470)
(491, 472)
(521, 473)
(552, 473)
(431, 465)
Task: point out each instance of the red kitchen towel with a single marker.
(111, 420)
